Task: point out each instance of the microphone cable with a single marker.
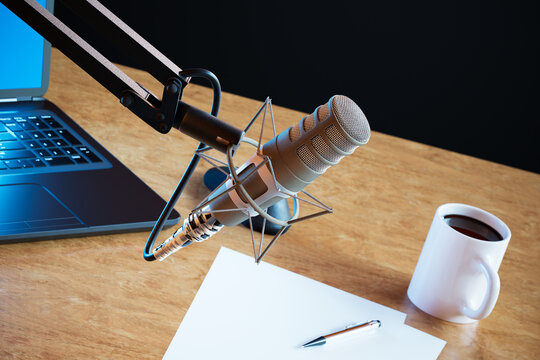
(216, 100)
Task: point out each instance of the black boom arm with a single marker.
(161, 114)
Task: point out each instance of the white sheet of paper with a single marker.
(248, 311)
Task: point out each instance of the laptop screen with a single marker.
(21, 56)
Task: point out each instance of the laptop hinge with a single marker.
(30, 98)
(5, 100)
(22, 98)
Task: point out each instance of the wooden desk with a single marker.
(95, 297)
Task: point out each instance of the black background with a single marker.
(461, 75)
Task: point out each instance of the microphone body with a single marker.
(298, 156)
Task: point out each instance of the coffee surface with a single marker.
(472, 227)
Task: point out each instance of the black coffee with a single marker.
(472, 227)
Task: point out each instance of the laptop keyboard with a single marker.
(43, 143)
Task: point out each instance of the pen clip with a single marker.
(351, 325)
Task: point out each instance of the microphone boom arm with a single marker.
(161, 114)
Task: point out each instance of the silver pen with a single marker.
(351, 331)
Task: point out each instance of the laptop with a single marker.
(55, 179)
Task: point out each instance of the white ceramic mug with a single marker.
(456, 275)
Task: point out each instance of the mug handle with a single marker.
(492, 293)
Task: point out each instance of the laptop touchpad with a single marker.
(31, 207)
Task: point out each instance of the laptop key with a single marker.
(11, 145)
(69, 151)
(2, 166)
(25, 164)
(15, 154)
(32, 144)
(13, 164)
(43, 153)
(46, 143)
(56, 152)
(60, 142)
(69, 137)
(79, 159)
(52, 123)
(38, 124)
(2, 128)
(25, 125)
(23, 135)
(50, 134)
(89, 154)
(7, 137)
(37, 135)
(58, 161)
(13, 126)
(37, 162)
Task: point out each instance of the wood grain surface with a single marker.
(96, 298)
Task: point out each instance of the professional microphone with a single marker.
(298, 156)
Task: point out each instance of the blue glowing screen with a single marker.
(21, 52)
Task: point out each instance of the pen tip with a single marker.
(317, 342)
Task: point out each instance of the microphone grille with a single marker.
(294, 133)
(309, 122)
(323, 149)
(323, 112)
(322, 138)
(339, 140)
(351, 118)
(313, 162)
